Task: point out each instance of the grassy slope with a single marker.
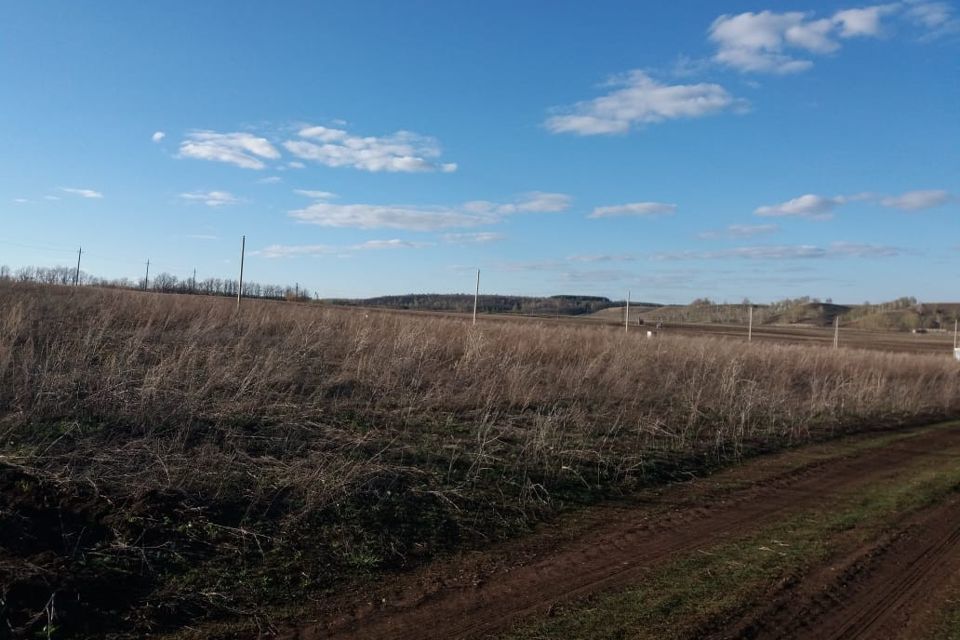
(162, 463)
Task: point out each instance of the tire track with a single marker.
(616, 554)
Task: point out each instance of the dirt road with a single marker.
(483, 594)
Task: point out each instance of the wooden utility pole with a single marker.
(193, 282)
(476, 297)
(76, 276)
(146, 278)
(626, 317)
(750, 325)
(836, 332)
(243, 250)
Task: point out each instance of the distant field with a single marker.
(613, 318)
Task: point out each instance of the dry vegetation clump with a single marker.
(162, 462)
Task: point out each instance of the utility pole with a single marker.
(750, 325)
(476, 297)
(296, 294)
(243, 250)
(836, 332)
(626, 317)
(76, 277)
(146, 279)
(954, 334)
(193, 281)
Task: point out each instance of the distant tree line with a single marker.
(463, 303)
(161, 283)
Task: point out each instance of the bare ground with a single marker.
(877, 591)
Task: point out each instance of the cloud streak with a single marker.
(211, 198)
(636, 100)
(635, 209)
(425, 218)
(83, 193)
(400, 152)
(243, 150)
(816, 207)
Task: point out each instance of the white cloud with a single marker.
(788, 252)
(370, 216)
(426, 218)
(806, 206)
(482, 237)
(862, 22)
(317, 195)
(211, 198)
(296, 164)
(290, 251)
(83, 193)
(158, 136)
(937, 18)
(241, 149)
(816, 207)
(48, 197)
(737, 231)
(772, 42)
(917, 200)
(767, 41)
(270, 180)
(637, 99)
(394, 243)
(21, 200)
(642, 209)
(403, 151)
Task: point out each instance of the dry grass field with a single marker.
(164, 462)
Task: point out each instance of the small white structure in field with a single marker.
(649, 334)
(956, 354)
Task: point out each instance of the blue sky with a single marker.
(678, 150)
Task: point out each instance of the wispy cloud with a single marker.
(806, 206)
(917, 200)
(482, 237)
(394, 243)
(240, 149)
(158, 136)
(290, 251)
(83, 193)
(739, 231)
(815, 207)
(635, 100)
(21, 200)
(788, 252)
(211, 198)
(782, 43)
(270, 180)
(403, 151)
(316, 195)
(296, 250)
(425, 218)
(638, 209)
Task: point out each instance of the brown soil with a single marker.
(890, 589)
(486, 593)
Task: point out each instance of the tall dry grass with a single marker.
(318, 441)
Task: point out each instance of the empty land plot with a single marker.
(166, 464)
